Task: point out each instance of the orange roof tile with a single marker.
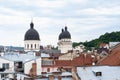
(113, 59)
(63, 62)
(82, 60)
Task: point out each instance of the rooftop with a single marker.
(14, 56)
(108, 73)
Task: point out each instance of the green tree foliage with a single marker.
(106, 38)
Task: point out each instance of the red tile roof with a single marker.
(63, 62)
(113, 59)
(82, 60)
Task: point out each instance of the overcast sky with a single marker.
(85, 19)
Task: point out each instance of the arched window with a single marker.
(31, 46)
(35, 46)
(27, 46)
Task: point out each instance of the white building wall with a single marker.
(79, 48)
(64, 45)
(28, 66)
(39, 69)
(65, 48)
(11, 75)
(68, 55)
(33, 43)
(11, 64)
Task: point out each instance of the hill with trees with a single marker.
(106, 38)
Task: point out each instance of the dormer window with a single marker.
(98, 73)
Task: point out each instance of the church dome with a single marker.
(64, 34)
(31, 34)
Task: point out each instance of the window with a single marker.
(27, 46)
(5, 65)
(31, 46)
(3, 75)
(35, 46)
(98, 73)
(18, 64)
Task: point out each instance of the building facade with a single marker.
(31, 39)
(6, 68)
(64, 43)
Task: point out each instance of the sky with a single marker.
(85, 19)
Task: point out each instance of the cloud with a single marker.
(39, 3)
(100, 11)
(12, 12)
(86, 19)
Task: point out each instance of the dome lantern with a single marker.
(64, 41)
(65, 28)
(31, 39)
(64, 34)
(31, 34)
(31, 25)
(62, 30)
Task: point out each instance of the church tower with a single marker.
(31, 39)
(64, 43)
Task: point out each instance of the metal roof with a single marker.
(108, 73)
(14, 56)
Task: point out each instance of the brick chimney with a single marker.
(33, 70)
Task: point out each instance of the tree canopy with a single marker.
(106, 38)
